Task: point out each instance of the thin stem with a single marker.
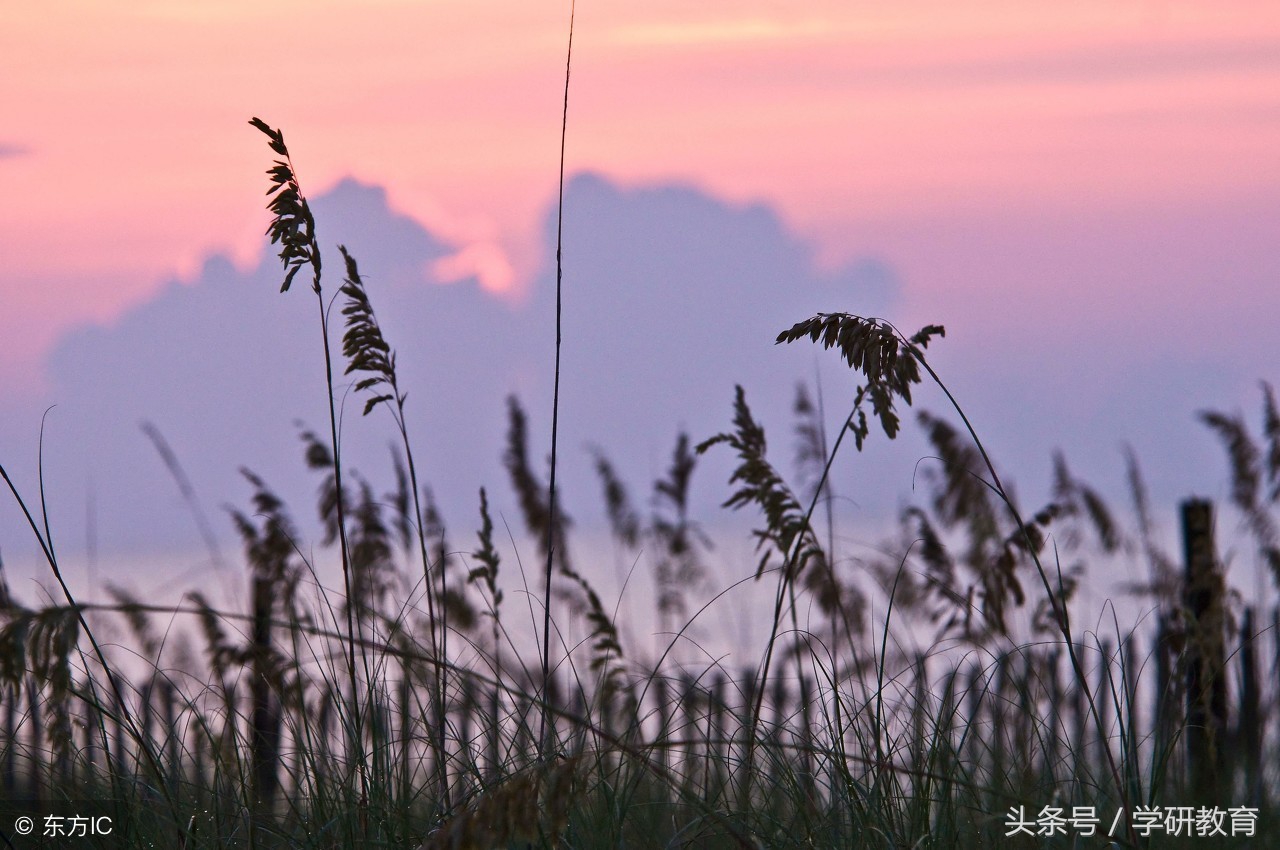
(555, 406)
(438, 646)
(340, 509)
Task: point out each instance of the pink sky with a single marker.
(968, 144)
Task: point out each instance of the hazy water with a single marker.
(730, 632)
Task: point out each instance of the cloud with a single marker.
(486, 262)
(10, 150)
(671, 296)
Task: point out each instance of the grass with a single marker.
(408, 711)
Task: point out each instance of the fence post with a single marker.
(806, 740)
(1203, 596)
(717, 750)
(265, 721)
(9, 770)
(1164, 705)
(1054, 725)
(405, 727)
(664, 755)
(1132, 712)
(1248, 738)
(1078, 751)
(35, 759)
(1104, 698)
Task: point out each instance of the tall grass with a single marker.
(938, 696)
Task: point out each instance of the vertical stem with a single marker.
(555, 405)
(340, 507)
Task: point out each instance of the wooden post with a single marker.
(716, 750)
(1164, 706)
(975, 750)
(1132, 713)
(405, 726)
(1103, 699)
(9, 770)
(35, 750)
(92, 734)
(265, 720)
(119, 751)
(806, 740)
(921, 708)
(662, 752)
(172, 741)
(1079, 749)
(1000, 771)
(1056, 713)
(1203, 596)
(690, 706)
(1248, 737)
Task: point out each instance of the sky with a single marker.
(1085, 194)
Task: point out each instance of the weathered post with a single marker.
(1165, 705)
(717, 753)
(1247, 743)
(9, 764)
(265, 720)
(405, 725)
(806, 740)
(1132, 713)
(663, 754)
(1104, 699)
(1056, 712)
(35, 713)
(1203, 596)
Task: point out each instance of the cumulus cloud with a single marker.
(671, 296)
(486, 262)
